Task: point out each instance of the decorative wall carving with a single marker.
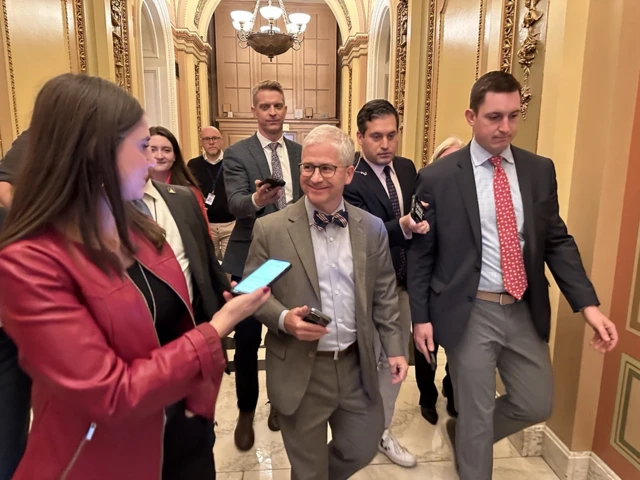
(12, 78)
(508, 34)
(480, 36)
(355, 46)
(345, 10)
(527, 52)
(65, 22)
(350, 98)
(120, 38)
(429, 81)
(401, 56)
(198, 102)
(80, 39)
(199, 9)
(190, 42)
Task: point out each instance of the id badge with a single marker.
(210, 198)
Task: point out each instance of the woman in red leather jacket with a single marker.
(95, 299)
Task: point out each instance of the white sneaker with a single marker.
(399, 455)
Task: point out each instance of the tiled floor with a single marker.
(268, 459)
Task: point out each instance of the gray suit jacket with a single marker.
(285, 235)
(244, 163)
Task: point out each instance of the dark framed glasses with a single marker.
(327, 171)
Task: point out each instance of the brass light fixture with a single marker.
(269, 41)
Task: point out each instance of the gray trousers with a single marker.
(388, 391)
(501, 337)
(334, 396)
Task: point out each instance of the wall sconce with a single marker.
(308, 112)
(226, 108)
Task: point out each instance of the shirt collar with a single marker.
(379, 169)
(265, 142)
(479, 155)
(150, 190)
(311, 208)
(216, 161)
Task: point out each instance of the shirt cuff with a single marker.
(281, 321)
(255, 205)
(408, 235)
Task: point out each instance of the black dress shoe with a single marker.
(244, 436)
(430, 414)
(273, 422)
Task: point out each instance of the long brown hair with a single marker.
(180, 173)
(78, 123)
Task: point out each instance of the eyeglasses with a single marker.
(327, 171)
(211, 139)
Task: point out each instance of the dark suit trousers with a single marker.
(248, 336)
(15, 404)
(425, 378)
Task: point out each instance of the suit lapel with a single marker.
(524, 176)
(359, 253)
(467, 184)
(406, 179)
(255, 147)
(372, 182)
(299, 231)
(294, 151)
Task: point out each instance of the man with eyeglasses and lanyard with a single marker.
(207, 169)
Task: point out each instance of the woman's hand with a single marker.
(237, 309)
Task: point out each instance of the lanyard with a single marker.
(214, 180)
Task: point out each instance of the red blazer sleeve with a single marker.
(62, 347)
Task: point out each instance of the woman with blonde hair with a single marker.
(98, 305)
(449, 145)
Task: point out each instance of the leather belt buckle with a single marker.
(500, 301)
(336, 355)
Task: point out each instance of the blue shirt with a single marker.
(491, 274)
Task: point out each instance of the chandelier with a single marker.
(268, 40)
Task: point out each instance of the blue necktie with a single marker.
(321, 220)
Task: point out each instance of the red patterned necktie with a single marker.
(513, 273)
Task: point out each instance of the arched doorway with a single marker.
(379, 61)
(158, 61)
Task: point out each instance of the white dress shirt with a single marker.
(334, 263)
(283, 155)
(491, 274)
(162, 215)
(216, 161)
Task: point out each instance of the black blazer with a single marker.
(209, 280)
(244, 163)
(444, 265)
(366, 191)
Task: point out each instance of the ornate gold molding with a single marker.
(190, 42)
(345, 10)
(65, 22)
(508, 35)
(429, 81)
(480, 35)
(401, 56)
(79, 18)
(12, 78)
(120, 38)
(527, 52)
(350, 98)
(198, 100)
(199, 8)
(354, 47)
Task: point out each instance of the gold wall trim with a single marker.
(120, 38)
(12, 78)
(480, 38)
(345, 10)
(199, 9)
(628, 380)
(508, 35)
(80, 39)
(429, 81)
(65, 20)
(190, 42)
(350, 117)
(401, 56)
(527, 52)
(198, 100)
(633, 314)
(355, 46)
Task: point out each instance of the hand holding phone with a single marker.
(296, 325)
(273, 182)
(266, 193)
(265, 275)
(417, 210)
(317, 317)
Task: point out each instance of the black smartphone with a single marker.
(417, 210)
(317, 317)
(265, 275)
(273, 182)
(433, 363)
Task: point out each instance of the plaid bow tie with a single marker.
(321, 220)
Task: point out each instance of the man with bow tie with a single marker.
(341, 265)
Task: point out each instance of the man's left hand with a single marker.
(605, 337)
(398, 367)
